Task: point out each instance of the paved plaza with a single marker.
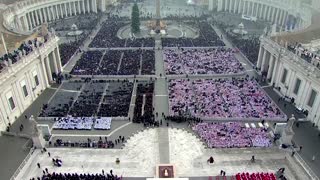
(145, 148)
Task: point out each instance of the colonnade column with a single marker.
(56, 12)
(25, 22)
(70, 8)
(95, 6)
(225, 5)
(275, 70)
(252, 7)
(243, 7)
(259, 62)
(61, 11)
(49, 73)
(55, 64)
(219, 5)
(261, 11)
(264, 60)
(58, 58)
(29, 21)
(33, 19)
(88, 6)
(277, 16)
(44, 72)
(37, 17)
(282, 18)
(74, 8)
(271, 66)
(41, 17)
(46, 14)
(79, 8)
(48, 10)
(247, 8)
(65, 9)
(239, 7)
(83, 7)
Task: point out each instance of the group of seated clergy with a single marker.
(221, 98)
(82, 123)
(202, 61)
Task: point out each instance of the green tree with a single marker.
(135, 19)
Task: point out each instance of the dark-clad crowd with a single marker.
(107, 35)
(148, 62)
(88, 63)
(116, 102)
(143, 111)
(249, 47)
(207, 37)
(78, 176)
(116, 62)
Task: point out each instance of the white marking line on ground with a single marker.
(26, 143)
(250, 70)
(162, 95)
(55, 93)
(266, 86)
(93, 135)
(52, 88)
(67, 90)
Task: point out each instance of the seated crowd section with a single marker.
(69, 49)
(88, 63)
(116, 102)
(85, 23)
(86, 99)
(88, 143)
(143, 110)
(249, 47)
(255, 176)
(207, 38)
(60, 104)
(78, 176)
(218, 99)
(89, 99)
(82, 123)
(201, 61)
(232, 135)
(116, 62)
(107, 36)
(248, 44)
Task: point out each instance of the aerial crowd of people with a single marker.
(116, 62)
(232, 135)
(221, 99)
(201, 61)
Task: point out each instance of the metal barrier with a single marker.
(306, 167)
(24, 162)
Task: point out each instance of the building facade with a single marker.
(293, 76)
(288, 14)
(22, 82)
(25, 16)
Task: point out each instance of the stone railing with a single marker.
(306, 167)
(308, 68)
(19, 8)
(21, 166)
(26, 59)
